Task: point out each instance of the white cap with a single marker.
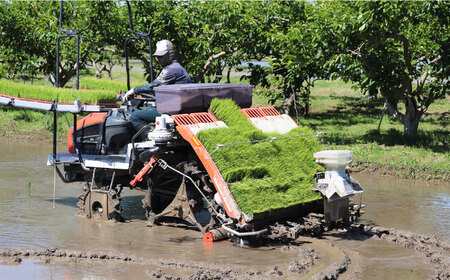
(163, 47)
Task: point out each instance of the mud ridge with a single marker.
(401, 171)
(436, 251)
(333, 271)
(307, 258)
(45, 255)
(190, 269)
(199, 274)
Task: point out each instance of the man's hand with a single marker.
(129, 95)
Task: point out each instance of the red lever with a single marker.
(144, 170)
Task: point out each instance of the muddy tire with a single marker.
(105, 206)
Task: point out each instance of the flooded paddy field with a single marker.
(39, 241)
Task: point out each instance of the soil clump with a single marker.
(307, 258)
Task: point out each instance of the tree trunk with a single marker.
(293, 108)
(219, 75)
(65, 77)
(411, 126)
(109, 70)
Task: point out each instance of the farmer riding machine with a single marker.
(179, 175)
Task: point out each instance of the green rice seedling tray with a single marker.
(266, 178)
(60, 95)
(107, 85)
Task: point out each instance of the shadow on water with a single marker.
(353, 235)
(183, 239)
(132, 206)
(66, 201)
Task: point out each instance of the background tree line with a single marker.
(396, 50)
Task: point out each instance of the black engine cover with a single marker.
(108, 137)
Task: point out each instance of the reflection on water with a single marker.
(29, 269)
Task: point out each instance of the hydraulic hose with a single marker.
(241, 234)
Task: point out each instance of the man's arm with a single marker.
(142, 89)
(166, 77)
(146, 88)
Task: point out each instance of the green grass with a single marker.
(265, 176)
(400, 155)
(32, 125)
(50, 93)
(350, 121)
(137, 77)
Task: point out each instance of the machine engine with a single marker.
(101, 134)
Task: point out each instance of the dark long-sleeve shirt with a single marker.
(173, 73)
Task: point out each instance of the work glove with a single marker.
(129, 95)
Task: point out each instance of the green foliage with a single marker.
(209, 36)
(49, 93)
(396, 49)
(296, 54)
(350, 122)
(267, 175)
(2, 71)
(28, 33)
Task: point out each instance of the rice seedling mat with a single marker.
(265, 176)
(60, 95)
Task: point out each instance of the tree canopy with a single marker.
(398, 50)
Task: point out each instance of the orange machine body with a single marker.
(186, 123)
(90, 119)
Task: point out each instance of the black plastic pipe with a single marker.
(137, 36)
(127, 58)
(68, 34)
(55, 130)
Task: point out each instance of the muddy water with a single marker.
(28, 220)
(415, 206)
(378, 259)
